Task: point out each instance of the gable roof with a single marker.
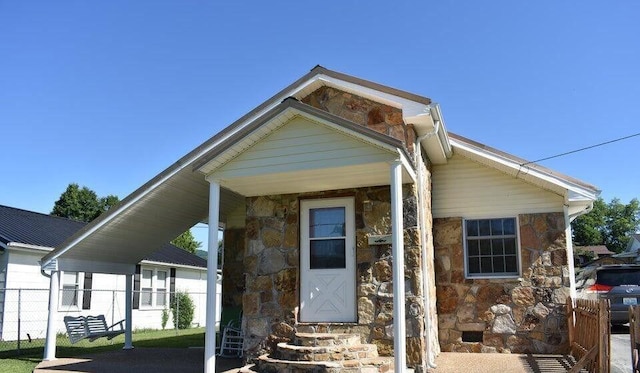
(30, 228)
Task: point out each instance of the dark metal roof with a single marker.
(33, 228)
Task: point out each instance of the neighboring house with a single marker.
(588, 254)
(349, 208)
(598, 251)
(25, 237)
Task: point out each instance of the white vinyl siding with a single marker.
(23, 272)
(300, 145)
(465, 188)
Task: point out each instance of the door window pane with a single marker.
(327, 222)
(326, 254)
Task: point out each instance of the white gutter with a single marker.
(164, 264)
(568, 218)
(18, 246)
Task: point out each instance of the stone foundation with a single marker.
(520, 315)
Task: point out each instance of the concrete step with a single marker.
(267, 364)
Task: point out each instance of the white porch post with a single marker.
(212, 278)
(128, 322)
(50, 341)
(397, 245)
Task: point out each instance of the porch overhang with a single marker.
(177, 198)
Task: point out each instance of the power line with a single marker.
(582, 149)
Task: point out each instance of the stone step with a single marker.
(287, 351)
(326, 339)
(267, 364)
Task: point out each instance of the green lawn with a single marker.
(10, 361)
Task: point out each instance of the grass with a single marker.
(28, 359)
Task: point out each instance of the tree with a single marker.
(609, 224)
(187, 242)
(82, 204)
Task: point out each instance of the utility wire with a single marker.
(582, 149)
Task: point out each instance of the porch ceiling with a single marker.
(333, 178)
(114, 242)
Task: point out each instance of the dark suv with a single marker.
(620, 283)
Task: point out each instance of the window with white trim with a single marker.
(491, 248)
(70, 289)
(161, 288)
(153, 288)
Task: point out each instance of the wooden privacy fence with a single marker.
(634, 334)
(589, 334)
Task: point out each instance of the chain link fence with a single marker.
(24, 312)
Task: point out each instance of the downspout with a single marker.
(568, 218)
(423, 239)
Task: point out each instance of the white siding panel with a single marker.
(299, 145)
(467, 189)
(107, 298)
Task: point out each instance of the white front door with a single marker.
(327, 258)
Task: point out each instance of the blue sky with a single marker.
(109, 93)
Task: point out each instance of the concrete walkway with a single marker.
(167, 360)
(454, 362)
(139, 360)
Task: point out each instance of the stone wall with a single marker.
(520, 315)
(233, 272)
(433, 345)
(271, 264)
(374, 115)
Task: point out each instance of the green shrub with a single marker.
(165, 317)
(182, 309)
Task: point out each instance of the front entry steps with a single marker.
(324, 353)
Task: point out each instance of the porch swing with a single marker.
(92, 327)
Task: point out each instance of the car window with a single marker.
(618, 277)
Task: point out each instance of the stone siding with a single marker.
(233, 273)
(271, 264)
(374, 115)
(520, 315)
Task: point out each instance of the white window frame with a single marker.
(78, 289)
(154, 288)
(490, 275)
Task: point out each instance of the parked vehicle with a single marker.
(620, 283)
